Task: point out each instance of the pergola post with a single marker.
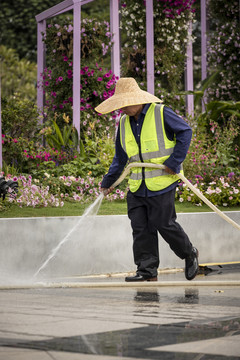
(0, 127)
(203, 40)
(150, 46)
(203, 45)
(114, 27)
(41, 28)
(76, 64)
(189, 75)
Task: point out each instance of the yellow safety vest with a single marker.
(155, 147)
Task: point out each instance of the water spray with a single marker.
(91, 210)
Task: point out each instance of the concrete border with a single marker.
(103, 244)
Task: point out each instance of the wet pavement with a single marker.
(104, 318)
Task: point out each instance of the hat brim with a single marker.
(119, 101)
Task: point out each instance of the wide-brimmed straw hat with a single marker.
(127, 93)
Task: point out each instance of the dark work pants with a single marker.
(150, 215)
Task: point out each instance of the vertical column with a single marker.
(189, 75)
(41, 28)
(76, 64)
(150, 46)
(114, 27)
(0, 126)
(203, 40)
(203, 46)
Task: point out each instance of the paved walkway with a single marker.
(98, 319)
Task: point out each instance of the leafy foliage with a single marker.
(224, 49)
(214, 152)
(17, 76)
(58, 172)
(170, 39)
(67, 139)
(18, 26)
(20, 118)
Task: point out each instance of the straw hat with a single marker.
(127, 93)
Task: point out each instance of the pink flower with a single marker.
(99, 79)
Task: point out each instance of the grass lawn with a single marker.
(107, 208)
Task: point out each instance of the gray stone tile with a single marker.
(225, 346)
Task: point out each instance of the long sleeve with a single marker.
(116, 168)
(176, 126)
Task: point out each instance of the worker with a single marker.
(150, 132)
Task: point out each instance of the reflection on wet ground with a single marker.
(190, 297)
(167, 323)
(138, 342)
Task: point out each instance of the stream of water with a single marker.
(91, 210)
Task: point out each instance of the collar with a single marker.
(143, 112)
(145, 108)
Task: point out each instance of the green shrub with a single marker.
(20, 118)
(17, 76)
(213, 153)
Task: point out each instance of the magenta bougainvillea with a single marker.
(97, 81)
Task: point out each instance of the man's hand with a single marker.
(169, 171)
(106, 191)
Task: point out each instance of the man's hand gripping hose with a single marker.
(196, 191)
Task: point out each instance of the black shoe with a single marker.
(191, 265)
(139, 277)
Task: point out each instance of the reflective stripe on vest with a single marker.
(162, 150)
(149, 174)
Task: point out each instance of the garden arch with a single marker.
(75, 5)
